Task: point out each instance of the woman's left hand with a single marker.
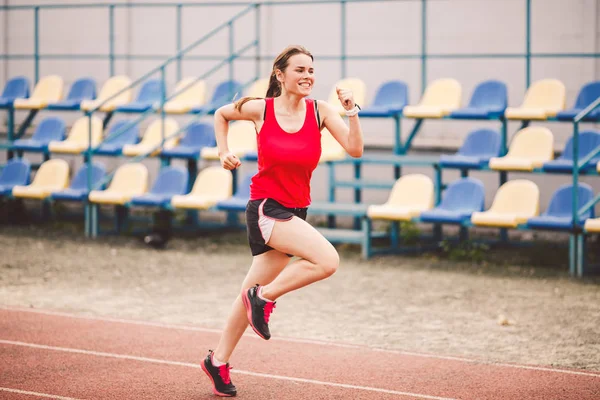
(346, 98)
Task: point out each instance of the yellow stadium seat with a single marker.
(111, 87)
(49, 89)
(194, 96)
(592, 225)
(78, 139)
(241, 139)
(544, 98)
(530, 148)
(331, 150)
(153, 137)
(129, 180)
(515, 202)
(411, 195)
(358, 88)
(52, 176)
(259, 88)
(213, 184)
(441, 97)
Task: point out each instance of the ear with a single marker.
(279, 75)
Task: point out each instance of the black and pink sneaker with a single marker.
(258, 311)
(219, 376)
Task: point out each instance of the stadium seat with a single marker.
(213, 184)
(240, 199)
(112, 144)
(331, 150)
(193, 96)
(110, 88)
(78, 189)
(78, 139)
(530, 148)
(171, 181)
(358, 88)
(241, 139)
(129, 180)
(559, 214)
(15, 88)
(259, 88)
(588, 142)
(224, 93)
(544, 99)
(461, 199)
(390, 99)
(198, 135)
(53, 175)
(48, 90)
(515, 202)
(411, 195)
(82, 89)
(152, 139)
(587, 95)
(49, 129)
(149, 96)
(476, 151)
(441, 97)
(489, 100)
(15, 173)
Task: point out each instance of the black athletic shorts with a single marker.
(260, 219)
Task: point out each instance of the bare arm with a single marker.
(350, 136)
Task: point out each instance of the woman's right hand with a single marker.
(230, 161)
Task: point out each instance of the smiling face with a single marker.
(298, 77)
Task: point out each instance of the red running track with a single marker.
(60, 356)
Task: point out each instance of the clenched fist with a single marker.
(346, 98)
(230, 161)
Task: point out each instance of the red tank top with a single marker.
(286, 161)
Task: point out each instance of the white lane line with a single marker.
(237, 371)
(44, 395)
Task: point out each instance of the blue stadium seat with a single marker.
(82, 89)
(78, 189)
(587, 95)
(48, 130)
(15, 88)
(479, 146)
(224, 93)
(113, 145)
(16, 172)
(559, 214)
(197, 136)
(150, 95)
(588, 141)
(171, 181)
(240, 199)
(489, 100)
(390, 99)
(461, 199)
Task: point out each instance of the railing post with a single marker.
(423, 45)
(111, 40)
(36, 43)
(343, 50)
(527, 43)
(231, 51)
(257, 33)
(178, 44)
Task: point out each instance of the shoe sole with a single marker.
(215, 391)
(246, 302)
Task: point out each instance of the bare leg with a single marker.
(265, 267)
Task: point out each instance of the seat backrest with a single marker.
(533, 142)
(199, 134)
(130, 136)
(49, 129)
(520, 196)
(82, 89)
(214, 182)
(330, 145)
(356, 85)
(442, 93)
(588, 141)
(482, 142)
(242, 136)
(49, 88)
(151, 91)
(391, 93)
(465, 194)
(130, 179)
(16, 88)
(588, 94)
(171, 181)
(547, 94)
(114, 85)
(53, 173)
(259, 88)
(79, 131)
(561, 201)
(414, 190)
(153, 135)
(194, 94)
(243, 190)
(490, 94)
(225, 92)
(79, 181)
(15, 172)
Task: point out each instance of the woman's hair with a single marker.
(280, 63)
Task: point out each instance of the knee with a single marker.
(330, 263)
